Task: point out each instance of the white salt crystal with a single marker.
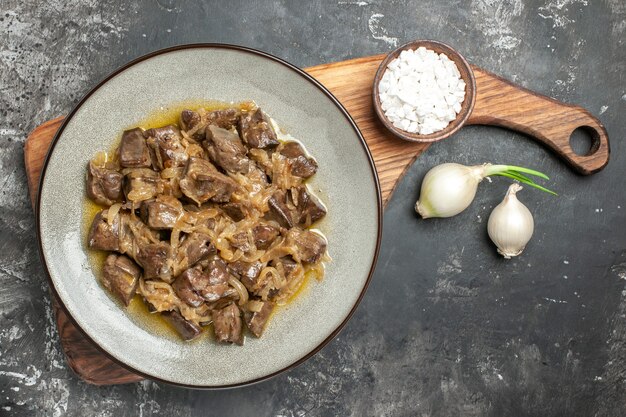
(393, 65)
(412, 116)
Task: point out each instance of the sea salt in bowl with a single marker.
(433, 104)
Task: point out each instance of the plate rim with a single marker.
(239, 48)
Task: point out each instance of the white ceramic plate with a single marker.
(346, 177)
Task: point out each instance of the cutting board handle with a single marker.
(501, 103)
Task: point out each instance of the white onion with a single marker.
(510, 224)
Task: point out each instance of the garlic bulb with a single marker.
(449, 188)
(510, 224)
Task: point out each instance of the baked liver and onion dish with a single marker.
(208, 221)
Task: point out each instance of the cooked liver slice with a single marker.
(304, 209)
(309, 209)
(203, 182)
(188, 284)
(227, 325)
(226, 150)
(121, 277)
(256, 130)
(264, 235)
(156, 259)
(311, 246)
(279, 211)
(162, 213)
(234, 210)
(186, 329)
(104, 186)
(196, 247)
(102, 235)
(167, 148)
(133, 150)
(226, 119)
(301, 164)
(217, 286)
(247, 272)
(257, 320)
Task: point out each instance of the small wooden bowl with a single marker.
(466, 107)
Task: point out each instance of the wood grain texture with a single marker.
(35, 151)
(84, 358)
(502, 103)
(498, 102)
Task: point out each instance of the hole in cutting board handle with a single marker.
(584, 141)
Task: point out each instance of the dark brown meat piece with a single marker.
(264, 235)
(156, 260)
(257, 175)
(165, 143)
(196, 247)
(278, 209)
(104, 186)
(188, 285)
(102, 235)
(217, 286)
(296, 207)
(257, 320)
(227, 325)
(141, 184)
(250, 277)
(189, 119)
(241, 241)
(162, 213)
(310, 246)
(308, 207)
(202, 182)
(235, 211)
(247, 272)
(289, 265)
(301, 165)
(133, 233)
(121, 277)
(186, 329)
(226, 118)
(256, 130)
(133, 150)
(263, 161)
(226, 150)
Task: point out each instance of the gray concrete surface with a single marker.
(447, 328)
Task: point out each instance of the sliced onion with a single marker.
(240, 288)
(175, 237)
(254, 305)
(112, 213)
(172, 172)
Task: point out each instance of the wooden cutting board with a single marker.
(351, 82)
